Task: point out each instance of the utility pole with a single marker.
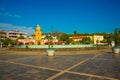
(51, 35)
(0, 41)
(51, 30)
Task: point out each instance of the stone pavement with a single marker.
(100, 65)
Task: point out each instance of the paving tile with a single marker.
(56, 62)
(70, 76)
(9, 57)
(18, 72)
(109, 56)
(109, 67)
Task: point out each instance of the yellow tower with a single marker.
(38, 36)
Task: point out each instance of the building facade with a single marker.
(77, 38)
(3, 34)
(95, 38)
(14, 34)
(25, 41)
(98, 39)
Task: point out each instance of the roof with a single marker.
(77, 37)
(97, 35)
(2, 31)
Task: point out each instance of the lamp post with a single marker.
(97, 41)
(1, 44)
(51, 41)
(97, 44)
(115, 36)
(50, 50)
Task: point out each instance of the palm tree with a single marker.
(75, 32)
(49, 38)
(117, 36)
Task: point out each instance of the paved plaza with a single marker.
(79, 65)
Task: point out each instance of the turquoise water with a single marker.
(55, 46)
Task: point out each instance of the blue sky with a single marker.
(84, 16)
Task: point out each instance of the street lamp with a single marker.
(97, 41)
(1, 44)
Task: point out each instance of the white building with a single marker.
(98, 39)
(54, 39)
(14, 34)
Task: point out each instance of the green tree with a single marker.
(75, 32)
(118, 40)
(86, 40)
(70, 41)
(64, 37)
(109, 37)
(21, 37)
(15, 41)
(7, 41)
(49, 38)
(117, 36)
(103, 41)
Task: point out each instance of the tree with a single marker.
(21, 37)
(103, 41)
(110, 37)
(117, 36)
(118, 39)
(86, 40)
(64, 37)
(49, 38)
(75, 32)
(70, 41)
(7, 41)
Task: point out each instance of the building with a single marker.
(76, 38)
(54, 39)
(25, 41)
(96, 38)
(3, 34)
(38, 36)
(14, 34)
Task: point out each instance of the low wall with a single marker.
(58, 48)
(55, 46)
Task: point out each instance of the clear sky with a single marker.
(84, 16)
